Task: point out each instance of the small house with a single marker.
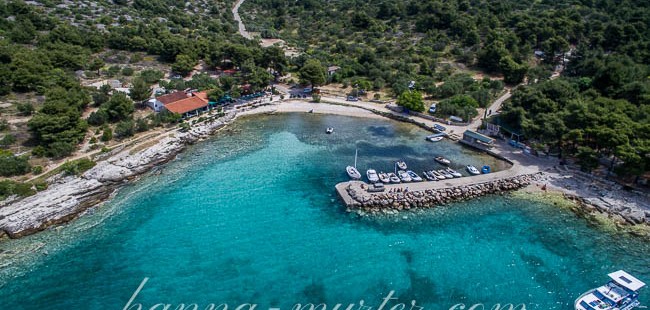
(476, 139)
(332, 69)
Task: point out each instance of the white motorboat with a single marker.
(372, 176)
(454, 173)
(353, 173)
(434, 138)
(621, 293)
(414, 176)
(401, 165)
(394, 178)
(472, 170)
(383, 177)
(437, 175)
(446, 174)
(429, 176)
(443, 161)
(405, 177)
(329, 130)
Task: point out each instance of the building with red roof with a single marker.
(188, 107)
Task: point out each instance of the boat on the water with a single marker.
(621, 293)
(437, 175)
(383, 177)
(429, 176)
(472, 170)
(435, 138)
(446, 174)
(394, 178)
(352, 171)
(443, 161)
(405, 177)
(414, 176)
(401, 165)
(372, 175)
(329, 130)
(454, 173)
(485, 169)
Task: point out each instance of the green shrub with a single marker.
(107, 135)
(125, 129)
(127, 71)
(7, 140)
(25, 109)
(10, 187)
(77, 167)
(11, 165)
(37, 169)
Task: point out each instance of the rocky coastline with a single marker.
(392, 202)
(67, 197)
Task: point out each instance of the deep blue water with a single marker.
(251, 216)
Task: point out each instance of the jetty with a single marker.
(407, 196)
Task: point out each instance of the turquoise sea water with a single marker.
(251, 216)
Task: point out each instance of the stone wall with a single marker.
(393, 202)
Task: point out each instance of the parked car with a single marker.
(352, 98)
(432, 108)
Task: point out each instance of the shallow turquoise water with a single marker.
(251, 217)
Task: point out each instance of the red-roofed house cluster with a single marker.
(187, 104)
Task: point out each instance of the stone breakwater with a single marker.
(68, 197)
(392, 202)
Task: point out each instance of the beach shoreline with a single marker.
(68, 197)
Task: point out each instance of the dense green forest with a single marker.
(597, 110)
(42, 46)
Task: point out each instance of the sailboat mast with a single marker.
(355, 157)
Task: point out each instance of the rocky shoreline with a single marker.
(68, 197)
(395, 201)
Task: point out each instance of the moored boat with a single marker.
(454, 173)
(446, 174)
(401, 165)
(472, 170)
(394, 178)
(621, 293)
(383, 177)
(414, 176)
(435, 138)
(437, 175)
(353, 173)
(429, 176)
(485, 169)
(329, 130)
(372, 175)
(443, 161)
(403, 176)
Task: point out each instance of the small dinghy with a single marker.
(329, 130)
(405, 177)
(485, 169)
(401, 165)
(414, 176)
(383, 177)
(472, 170)
(443, 161)
(429, 176)
(394, 178)
(446, 174)
(372, 176)
(454, 173)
